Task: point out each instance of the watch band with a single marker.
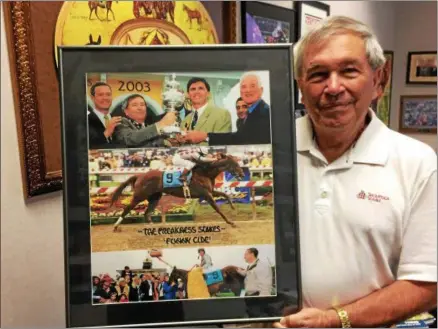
(343, 316)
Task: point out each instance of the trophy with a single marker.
(173, 101)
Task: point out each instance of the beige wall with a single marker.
(32, 268)
(416, 30)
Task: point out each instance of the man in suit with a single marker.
(242, 113)
(100, 123)
(147, 287)
(257, 126)
(205, 116)
(132, 132)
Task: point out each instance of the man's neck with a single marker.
(103, 111)
(334, 145)
(197, 106)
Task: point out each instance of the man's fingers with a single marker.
(278, 325)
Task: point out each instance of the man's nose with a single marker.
(334, 84)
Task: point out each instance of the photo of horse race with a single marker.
(177, 108)
(173, 197)
(183, 274)
(181, 170)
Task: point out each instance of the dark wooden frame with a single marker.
(298, 6)
(271, 11)
(409, 64)
(414, 130)
(37, 179)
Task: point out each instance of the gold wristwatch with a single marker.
(343, 316)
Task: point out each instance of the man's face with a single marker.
(250, 91)
(198, 94)
(337, 83)
(136, 109)
(102, 98)
(248, 256)
(242, 109)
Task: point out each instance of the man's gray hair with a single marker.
(338, 25)
(251, 74)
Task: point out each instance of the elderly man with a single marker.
(132, 132)
(367, 194)
(257, 126)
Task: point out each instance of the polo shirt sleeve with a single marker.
(418, 261)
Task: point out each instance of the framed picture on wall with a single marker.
(32, 53)
(266, 23)
(309, 13)
(382, 107)
(152, 240)
(421, 67)
(418, 114)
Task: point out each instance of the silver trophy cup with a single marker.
(173, 101)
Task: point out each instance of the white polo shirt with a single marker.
(367, 219)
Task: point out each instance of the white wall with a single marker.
(416, 30)
(32, 268)
(380, 15)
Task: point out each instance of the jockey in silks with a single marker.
(187, 157)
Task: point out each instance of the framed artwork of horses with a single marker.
(35, 29)
(177, 169)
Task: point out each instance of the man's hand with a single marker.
(195, 137)
(113, 123)
(167, 120)
(310, 318)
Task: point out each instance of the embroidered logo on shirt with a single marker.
(371, 196)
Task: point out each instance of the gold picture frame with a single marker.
(30, 36)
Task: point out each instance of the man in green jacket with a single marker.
(205, 116)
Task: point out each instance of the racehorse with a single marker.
(161, 8)
(193, 14)
(233, 281)
(94, 5)
(150, 186)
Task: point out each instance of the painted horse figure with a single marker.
(232, 280)
(161, 9)
(152, 184)
(193, 14)
(94, 5)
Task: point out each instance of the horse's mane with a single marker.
(230, 272)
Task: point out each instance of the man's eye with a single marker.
(350, 70)
(316, 75)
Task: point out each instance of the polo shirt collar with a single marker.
(371, 147)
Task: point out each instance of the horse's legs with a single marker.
(210, 200)
(114, 17)
(220, 193)
(199, 23)
(126, 211)
(153, 200)
(95, 10)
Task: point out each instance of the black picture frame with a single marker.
(412, 77)
(269, 11)
(301, 8)
(75, 63)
